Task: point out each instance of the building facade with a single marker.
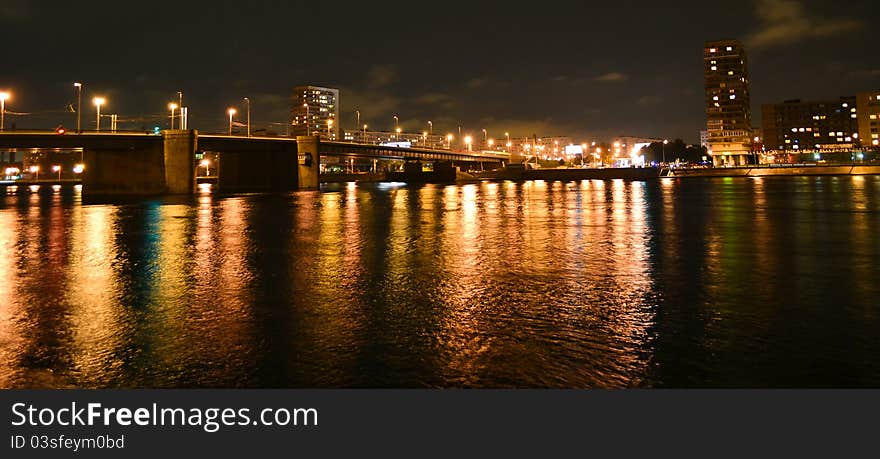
(868, 105)
(728, 109)
(315, 112)
(796, 126)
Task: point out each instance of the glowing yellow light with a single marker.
(99, 101)
(232, 111)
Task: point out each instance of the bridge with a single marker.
(119, 163)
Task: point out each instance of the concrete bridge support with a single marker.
(308, 162)
(180, 168)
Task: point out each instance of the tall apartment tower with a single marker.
(315, 112)
(728, 109)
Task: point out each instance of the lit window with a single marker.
(793, 129)
(732, 96)
(801, 129)
(730, 48)
(873, 117)
(849, 139)
(712, 50)
(845, 105)
(716, 98)
(854, 116)
(730, 72)
(714, 68)
(876, 142)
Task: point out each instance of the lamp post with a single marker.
(308, 125)
(449, 138)
(172, 106)
(57, 169)
(358, 113)
(468, 141)
(36, 171)
(98, 101)
(248, 103)
(364, 140)
(397, 126)
(207, 165)
(231, 113)
(431, 127)
(4, 96)
(665, 142)
(79, 102)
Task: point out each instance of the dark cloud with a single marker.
(612, 77)
(783, 22)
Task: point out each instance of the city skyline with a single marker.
(576, 86)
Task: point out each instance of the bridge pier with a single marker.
(308, 162)
(180, 168)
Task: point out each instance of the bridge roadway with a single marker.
(146, 163)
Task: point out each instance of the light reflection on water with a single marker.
(717, 282)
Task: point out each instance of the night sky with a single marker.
(592, 70)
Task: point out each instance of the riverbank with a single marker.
(771, 171)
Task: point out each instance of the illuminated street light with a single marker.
(398, 133)
(172, 106)
(665, 142)
(396, 123)
(449, 138)
(35, 170)
(431, 127)
(248, 103)
(79, 103)
(79, 168)
(98, 101)
(425, 137)
(491, 143)
(231, 113)
(207, 165)
(364, 140)
(4, 96)
(468, 140)
(56, 168)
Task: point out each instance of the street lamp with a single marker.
(491, 143)
(56, 168)
(665, 142)
(79, 103)
(397, 123)
(79, 168)
(207, 165)
(398, 130)
(36, 171)
(248, 102)
(468, 140)
(485, 135)
(425, 138)
(98, 101)
(449, 138)
(232, 113)
(329, 127)
(364, 140)
(172, 106)
(4, 96)
(308, 125)
(431, 127)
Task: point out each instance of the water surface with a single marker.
(669, 283)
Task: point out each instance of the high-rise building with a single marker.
(868, 104)
(728, 108)
(316, 112)
(811, 126)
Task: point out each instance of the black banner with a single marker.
(453, 423)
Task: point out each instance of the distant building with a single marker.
(704, 139)
(728, 109)
(414, 140)
(868, 104)
(315, 112)
(811, 126)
